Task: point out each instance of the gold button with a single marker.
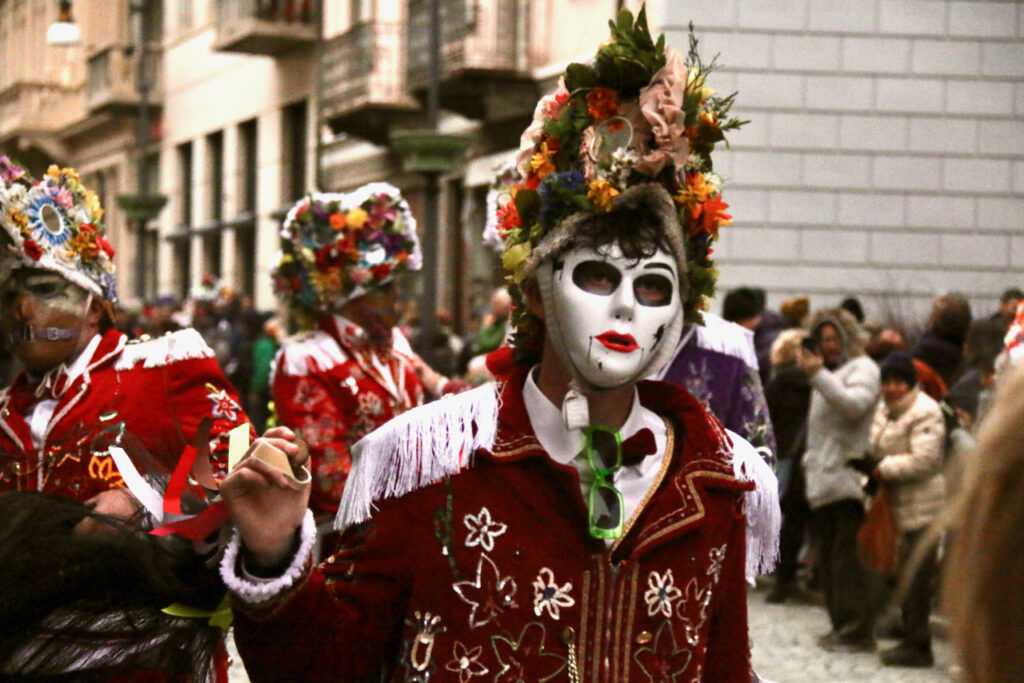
(568, 635)
(644, 637)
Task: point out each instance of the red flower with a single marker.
(32, 250)
(602, 103)
(103, 244)
(381, 271)
(709, 215)
(508, 218)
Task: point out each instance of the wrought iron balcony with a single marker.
(364, 91)
(483, 53)
(265, 27)
(111, 82)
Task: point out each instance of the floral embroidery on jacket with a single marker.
(482, 530)
(548, 595)
(661, 594)
(526, 653)
(489, 595)
(663, 660)
(466, 662)
(224, 406)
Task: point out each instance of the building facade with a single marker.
(883, 158)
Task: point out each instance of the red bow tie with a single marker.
(638, 447)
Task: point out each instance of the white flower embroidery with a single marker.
(466, 662)
(548, 595)
(482, 530)
(661, 593)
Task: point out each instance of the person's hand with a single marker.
(118, 503)
(264, 505)
(808, 361)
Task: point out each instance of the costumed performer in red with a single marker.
(352, 370)
(569, 521)
(86, 388)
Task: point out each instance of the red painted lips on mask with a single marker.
(614, 341)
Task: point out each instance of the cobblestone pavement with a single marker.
(785, 651)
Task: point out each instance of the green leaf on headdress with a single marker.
(628, 62)
(527, 205)
(580, 77)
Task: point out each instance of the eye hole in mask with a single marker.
(598, 277)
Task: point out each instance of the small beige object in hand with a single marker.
(276, 458)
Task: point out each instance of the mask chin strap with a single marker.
(29, 333)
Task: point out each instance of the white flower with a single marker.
(466, 662)
(548, 595)
(482, 530)
(661, 593)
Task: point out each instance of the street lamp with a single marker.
(64, 31)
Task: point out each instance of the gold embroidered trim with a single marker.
(630, 622)
(670, 439)
(698, 501)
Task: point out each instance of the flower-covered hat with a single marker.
(336, 247)
(499, 193)
(637, 125)
(55, 224)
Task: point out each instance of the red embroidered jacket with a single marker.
(327, 389)
(492, 574)
(160, 390)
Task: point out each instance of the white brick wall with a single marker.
(886, 157)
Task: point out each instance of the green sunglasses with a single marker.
(603, 448)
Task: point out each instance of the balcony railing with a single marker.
(481, 36)
(111, 80)
(364, 73)
(265, 27)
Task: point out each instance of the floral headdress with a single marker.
(336, 247)
(640, 115)
(499, 192)
(56, 224)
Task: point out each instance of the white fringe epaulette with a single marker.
(718, 334)
(416, 449)
(761, 506)
(308, 352)
(170, 348)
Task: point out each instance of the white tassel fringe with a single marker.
(764, 516)
(418, 448)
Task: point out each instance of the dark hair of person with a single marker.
(951, 317)
(741, 304)
(852, 304)
(62, 592)
(1013, 293)
(634, 229)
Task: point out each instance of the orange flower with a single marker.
(338, 221)
(709, 216)
(602, 103)
(508, 218)
(541, 161)
(600, 192)
(694, 192)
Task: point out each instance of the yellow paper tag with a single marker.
(238, 444)
(220, 617)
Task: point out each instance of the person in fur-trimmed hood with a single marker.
(844, 391)
(571, 521)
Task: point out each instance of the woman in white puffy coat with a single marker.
(907, 445)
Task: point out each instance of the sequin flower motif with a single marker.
(549, 596)
(662, 593)
(466, 662)
(489, 595)
(223, 405)
(482, 530)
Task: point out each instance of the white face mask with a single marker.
(614, 313)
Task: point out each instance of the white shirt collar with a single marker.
(563, 444)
